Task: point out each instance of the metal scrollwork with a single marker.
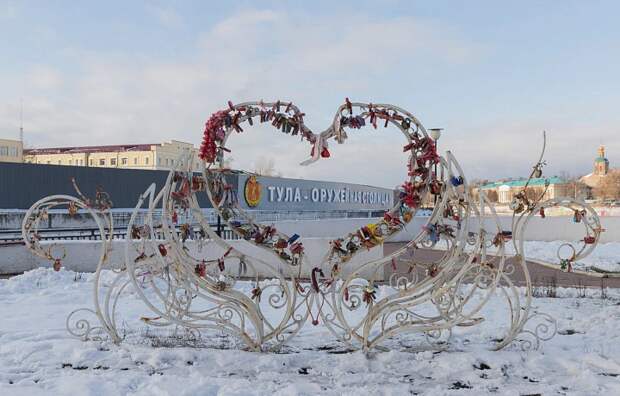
(199, 290)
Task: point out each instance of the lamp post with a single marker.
(435, 135)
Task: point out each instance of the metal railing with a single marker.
(14, 237)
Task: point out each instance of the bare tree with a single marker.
(609, 187)
(492, 195)
(228, 162)
(564, 175)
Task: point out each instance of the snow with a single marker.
(38, 356)
(605, 256)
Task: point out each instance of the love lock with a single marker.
(56, 259)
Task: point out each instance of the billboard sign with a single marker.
(275, 193)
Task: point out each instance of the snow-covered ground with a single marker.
(605, 256)
(38, 356)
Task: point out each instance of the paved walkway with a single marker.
(540, 274)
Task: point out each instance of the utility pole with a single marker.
(21, 121)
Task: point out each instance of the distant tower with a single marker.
(601, 164)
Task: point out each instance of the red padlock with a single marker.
(201, 269)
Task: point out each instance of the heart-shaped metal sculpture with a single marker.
(429, 296)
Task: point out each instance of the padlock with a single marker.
(456, 180)
(296, 248)
(248, 114)
(337, 246)
(256, 293)
(201, 269)
(185, 230)
(589, 240)
(73, 209)
(352, 247)
(227, 120)
(435, 187)
(579, 215)
(370, 294)
(433, 234)
(406, 123)
(407, 216)
(135, 232)
(293, 238)
(348, 105)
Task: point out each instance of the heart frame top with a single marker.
(288, 118)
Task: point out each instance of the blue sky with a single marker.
(493, 74)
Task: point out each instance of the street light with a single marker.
(435, 135)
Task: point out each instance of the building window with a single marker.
(4, 151)
(135, 161)
(13, 151)
(92, 162)
(59, 162)
(158, 161)
(146, 160)
(124, 161)
(113, 161)
(49, 162)
(102, 162)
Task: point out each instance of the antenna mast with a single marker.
(21, 120)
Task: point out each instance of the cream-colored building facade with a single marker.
(11, 150)
(137, 156)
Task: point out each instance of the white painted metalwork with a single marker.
(199, 292)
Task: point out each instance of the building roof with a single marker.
(521, 182)
(90, 149)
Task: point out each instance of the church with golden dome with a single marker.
(601, 170)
